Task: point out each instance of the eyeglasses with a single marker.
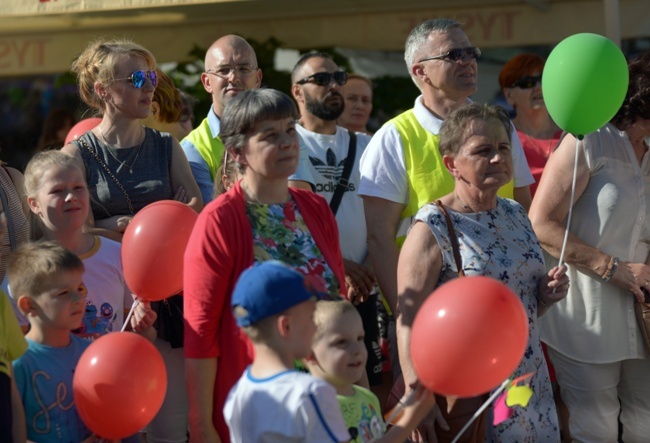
(527, 82)
(225, 71)
(325, 78)
(455, 55)
(138, 78)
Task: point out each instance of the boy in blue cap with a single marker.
(274, 305)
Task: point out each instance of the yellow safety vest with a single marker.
(210, 148)
(428, 178)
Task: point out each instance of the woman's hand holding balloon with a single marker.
(554, 286)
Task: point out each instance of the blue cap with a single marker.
(269, 288)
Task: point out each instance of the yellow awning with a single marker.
(44, 36)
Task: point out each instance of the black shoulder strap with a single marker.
(344, 180)
(452, 238)
(10, 223)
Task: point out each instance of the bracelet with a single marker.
(611, 269)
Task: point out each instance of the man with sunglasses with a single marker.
(316, 88)
(230, 68)
(402, 168)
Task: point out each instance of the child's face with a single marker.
(62, 199)
(340, 351)
(62, 306)
(303, 327)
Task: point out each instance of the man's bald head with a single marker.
(230, 68)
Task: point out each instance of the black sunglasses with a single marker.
(325, 78)
(138, 78)
(527, 82)
(455, 55)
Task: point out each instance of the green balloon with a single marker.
(585, 80)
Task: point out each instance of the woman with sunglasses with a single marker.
(521, 83)
(593, 339)
(260, 218)
(128, 166)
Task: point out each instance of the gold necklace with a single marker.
(121, 162)
(540, 145)
(255, 198)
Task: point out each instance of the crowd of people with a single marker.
(317, 243)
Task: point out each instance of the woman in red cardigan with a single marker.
(259, 219)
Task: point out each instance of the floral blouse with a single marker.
(280, 233)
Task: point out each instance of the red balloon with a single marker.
(153, 247)
(81, 128)
(119, 384)
(468, 337)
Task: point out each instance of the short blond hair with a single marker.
(326, 310)
(98, 62)
(31, 268)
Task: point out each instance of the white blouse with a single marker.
(596, 321)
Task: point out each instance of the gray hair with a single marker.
(248, 108)
(417, 38)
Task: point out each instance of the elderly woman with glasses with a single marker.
(593, 339)
(495, 239)
(128, 166)
(260, 218)
(521, 82)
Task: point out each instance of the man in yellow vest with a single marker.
(230, 68)
(402, 169)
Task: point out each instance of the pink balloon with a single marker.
(119, 384)
(468, 336)
(81, 128)
(153, 247)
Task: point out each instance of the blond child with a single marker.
(59, 203)
(274, 306)
(339, 357)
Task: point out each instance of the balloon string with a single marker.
(481, 409)
(403, 402)
(573, 193)
(128, 317)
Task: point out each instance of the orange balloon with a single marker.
(119, 384)
(469, 336)
(81, 128)
(153, 246)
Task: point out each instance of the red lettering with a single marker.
(486, 25)
(21, 51)
(508, 29)
(5, 51)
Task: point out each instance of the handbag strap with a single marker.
(452, 238)
(343, 182)
(110, 173)
(11, 229)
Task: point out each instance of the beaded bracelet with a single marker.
(611, 269)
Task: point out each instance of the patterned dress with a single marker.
(500, 243)
(280, 233)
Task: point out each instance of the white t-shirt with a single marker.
(287, 407)
(108, 294)
(383, 169)
(327, 154)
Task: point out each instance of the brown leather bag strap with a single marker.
(452, 238)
